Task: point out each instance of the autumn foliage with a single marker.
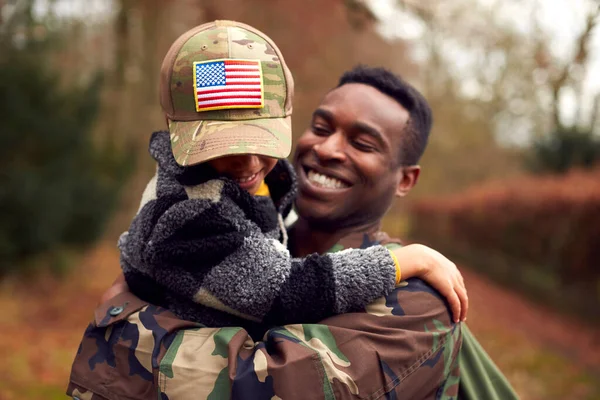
(540, 232)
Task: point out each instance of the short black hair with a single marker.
(420, 119)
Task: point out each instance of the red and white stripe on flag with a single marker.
(228, 83)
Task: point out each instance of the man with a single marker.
(360, 152)
(353, 138)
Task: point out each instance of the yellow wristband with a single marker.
(397, 264)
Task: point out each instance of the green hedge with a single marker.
(541, 234)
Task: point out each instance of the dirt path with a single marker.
(494, 306)
(544, 355)
(42, 323)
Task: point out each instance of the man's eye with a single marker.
(320, 130)
(362, 146)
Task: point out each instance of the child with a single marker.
(208, 242)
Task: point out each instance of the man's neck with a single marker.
(307, 239)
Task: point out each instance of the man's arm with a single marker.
(404, 346)
(120, 349)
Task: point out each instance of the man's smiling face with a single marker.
(348, 162)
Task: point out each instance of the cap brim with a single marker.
(194, 142)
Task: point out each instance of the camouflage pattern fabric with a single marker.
(402, 346)
(199, 141)
(223, 42)
(201, 136)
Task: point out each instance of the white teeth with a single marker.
(246, 179)
(325, 181)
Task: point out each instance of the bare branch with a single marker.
(580, 58)
(582, 53)
(595, 121)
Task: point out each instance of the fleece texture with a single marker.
(212, 253)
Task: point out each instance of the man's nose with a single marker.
(331, 148)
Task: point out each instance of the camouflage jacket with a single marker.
(401, 346)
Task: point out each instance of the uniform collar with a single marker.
(364, 239)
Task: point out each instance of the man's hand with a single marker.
(119, 286)
(418, 261)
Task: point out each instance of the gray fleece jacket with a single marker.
(212, 253)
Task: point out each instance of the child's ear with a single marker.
(407, 180)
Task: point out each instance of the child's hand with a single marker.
(418, 261)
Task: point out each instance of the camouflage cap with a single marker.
(202, 92)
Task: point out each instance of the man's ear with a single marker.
(408, 179)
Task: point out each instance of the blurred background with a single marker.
(510, 187)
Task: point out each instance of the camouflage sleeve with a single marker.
(403, 346)
(120, 350)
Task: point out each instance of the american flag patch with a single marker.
(223, 84)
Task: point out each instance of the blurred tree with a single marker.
(569, 144)
(469, 69)
(491, 98)
(569, 73)
(477, 51)
(563, 150)
(57, 187)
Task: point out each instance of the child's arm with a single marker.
(353, 272)
(220, 259)
(209, 252)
